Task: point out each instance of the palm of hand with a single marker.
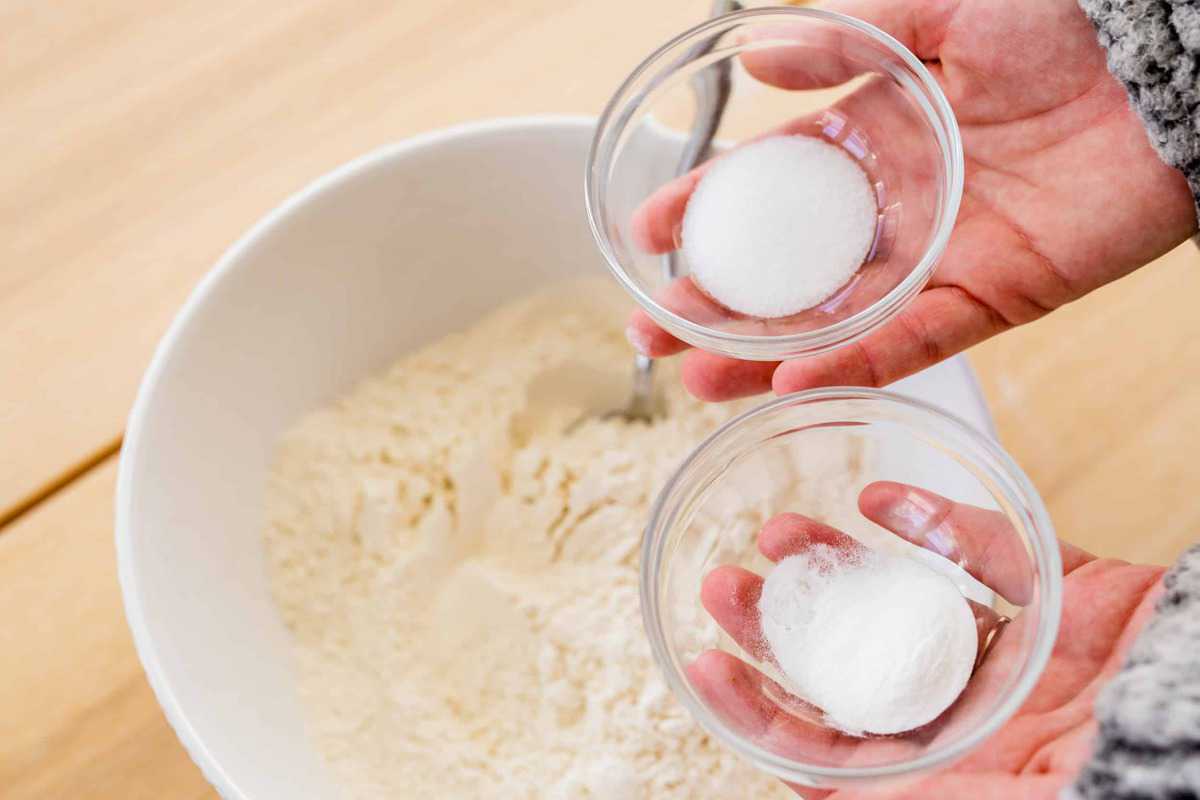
(1037, 751)
(1042, 748)
(1063, 193)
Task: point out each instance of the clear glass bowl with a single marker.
(813, 453)
(826, 75)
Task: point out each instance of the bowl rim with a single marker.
(162, 684)
(842, 332)
(1046, 550)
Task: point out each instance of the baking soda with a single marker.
(880, 643)
(779, 225)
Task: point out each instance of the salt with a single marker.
(881, 643)
(779, 225)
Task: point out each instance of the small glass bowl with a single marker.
(825, 75)
(813, 453)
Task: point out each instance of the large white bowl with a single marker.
(382, 255)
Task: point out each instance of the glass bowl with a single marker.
(784, 71)
(820, 453)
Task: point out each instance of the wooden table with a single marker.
(141, 138)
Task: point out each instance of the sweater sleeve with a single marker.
(1149, 714)
(1154, 49)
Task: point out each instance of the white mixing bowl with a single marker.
(379, 257)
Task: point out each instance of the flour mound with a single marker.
(459, 574)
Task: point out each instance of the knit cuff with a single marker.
(1154, 49)
(1149, 714)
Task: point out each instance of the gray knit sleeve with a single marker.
(1149, 715)
(1154, 49)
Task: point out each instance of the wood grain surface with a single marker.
(142, 138)
(79, 719)
(1099, 402)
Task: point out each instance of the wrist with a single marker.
(1153, 48)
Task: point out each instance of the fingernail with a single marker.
(942, 542)
(911, 514)
(918, 517)
(639, 340)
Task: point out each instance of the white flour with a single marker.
(460, 576)
(879, 642)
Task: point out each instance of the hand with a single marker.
(1042, 747)
(1063, 191)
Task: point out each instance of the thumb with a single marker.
(812, 56)
(940, 322)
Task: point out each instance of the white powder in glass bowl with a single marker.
(777, 226)
(881, 643)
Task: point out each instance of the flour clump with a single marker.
(457, 563)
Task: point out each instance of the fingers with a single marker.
(807, 56)
(939, 323)
(733, 689)
(685, 299)
(682, 297)
(987, 622)
(1073, 557)
(655, 223)
(801, 56)
(730, 595)
(741, 696)
(789, 534)
(649, 339)
(980, 541)
(804, 56)
(715, 378)
(919, 25)
(818, 56)
(745, 698)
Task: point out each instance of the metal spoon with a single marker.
(710, 87)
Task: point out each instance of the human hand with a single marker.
(1063, 191)
(1043, 746)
